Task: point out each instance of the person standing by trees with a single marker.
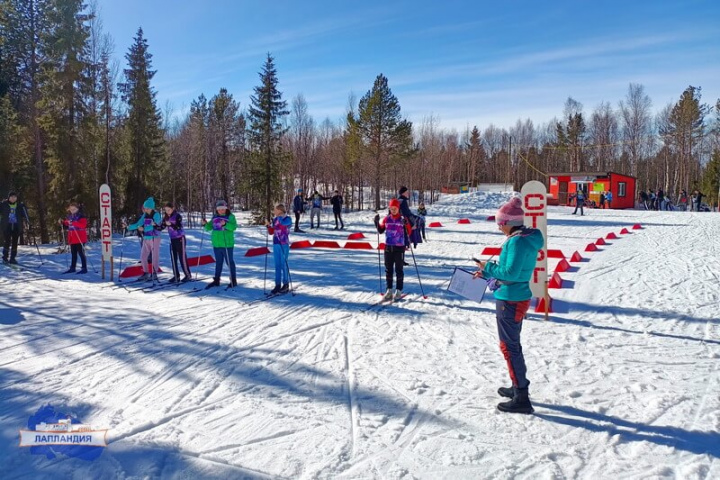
(76, 224)
(298, 209)
(279, 228)
(512, 272)
(579, 201)
(223, 225)
(698, 201)
(337, 202)
(149, 225)
(602, 200)
(316, 207)
(683, 200)
(13, 215)
(422, 213)
(172, 220)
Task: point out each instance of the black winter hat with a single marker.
(403, 190)
(12, 194)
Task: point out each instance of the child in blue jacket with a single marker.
(279, 228)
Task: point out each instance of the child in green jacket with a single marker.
(223, 225)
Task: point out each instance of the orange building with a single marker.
(563, 185)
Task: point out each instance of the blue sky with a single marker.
(467, 63)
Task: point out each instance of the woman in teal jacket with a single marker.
(512, 274)
(223, 225)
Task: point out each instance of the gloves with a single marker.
(377, 219)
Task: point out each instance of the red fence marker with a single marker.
(563, 266)
(356, 236)
(491, 251)
(435, 225)
(202, 260)
(637, 226)
(464, 221)
(555, 281)
(136, 271)
(591, 248)
(358, 246)
(600, 241)
(301, 244)
(624, 231)
(541, 307)
(254, 252)
(611, 236)
(576, 257)
(491, 218)
(325, 244)
(555, 254)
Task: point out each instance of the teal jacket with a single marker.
(516, 265)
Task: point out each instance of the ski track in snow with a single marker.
(328, 384)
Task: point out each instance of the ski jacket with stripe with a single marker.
(223, 228)
(394, 228)
(279, 228)
(12, 216)
(175, 229)
(76, 225)
(151, 225)
(515, 265)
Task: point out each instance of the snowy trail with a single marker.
(625, 376)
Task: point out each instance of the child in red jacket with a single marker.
(76, 223)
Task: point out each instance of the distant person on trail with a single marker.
(13, 216)
(579, 202)
(644, 199)
(76, 236)
(172, 220)
(422, 213)
(602, 200)
(698, 201)
(298, 209)
(511, 275)
(316, 207)
(149, 225)
(337, 202)
(683, 200)
(223, 225)
(608, 199)
(394, 227)
(279, 228)
(652, 199)
(403, 196)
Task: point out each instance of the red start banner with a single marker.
(106, 221)
(534, 198)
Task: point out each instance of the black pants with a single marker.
(338, 217)
(394, 258)
(297, 221)
(579, 204)
(178, 253)
(11, 236)
(76, 249)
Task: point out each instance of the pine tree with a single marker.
(385, 135)
(143, 124)
(267, 159)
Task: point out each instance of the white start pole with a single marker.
(106, 228)
(534, 200)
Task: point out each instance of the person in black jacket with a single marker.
(403, 195)
(13, 215)
(298, 209)
(336, 200)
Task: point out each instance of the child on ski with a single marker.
(76, 224)
(172, 220)
(279, 229)
(395, 228)
(422, 213)
(149, 225)
(223, 225)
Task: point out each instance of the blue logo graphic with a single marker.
(52, 432)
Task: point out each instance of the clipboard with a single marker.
(462, 283)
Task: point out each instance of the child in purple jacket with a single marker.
(172, 221)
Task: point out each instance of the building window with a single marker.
(621, 189)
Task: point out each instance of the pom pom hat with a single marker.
(511, 213)
(394, 203)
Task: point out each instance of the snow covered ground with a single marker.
(625, 377)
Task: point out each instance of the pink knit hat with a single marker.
(511, 213)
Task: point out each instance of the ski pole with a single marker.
(287, 266)
(202, 239)
(87, 257)
(418, 272)
(67, 260)
(379, 267)
(122, 245)
(267, 243)
(33, 237)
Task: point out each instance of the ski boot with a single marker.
(388, 295)
(285, 288)
(520, 403)
(275, 290)
(69, 270)
(214, 283)
(82, 271)
(398, 294)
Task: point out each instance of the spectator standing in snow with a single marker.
(512, 274)
(13, 215)
(279, 228)
(698, 201)
(337, 202)
(76, 224)
(422, 213)
(683, 200)
(579, 201)
(316, 208)
(644, 199)
(298, 209)
(602, 200)
(608, 199)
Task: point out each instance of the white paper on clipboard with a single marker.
(463, 283)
